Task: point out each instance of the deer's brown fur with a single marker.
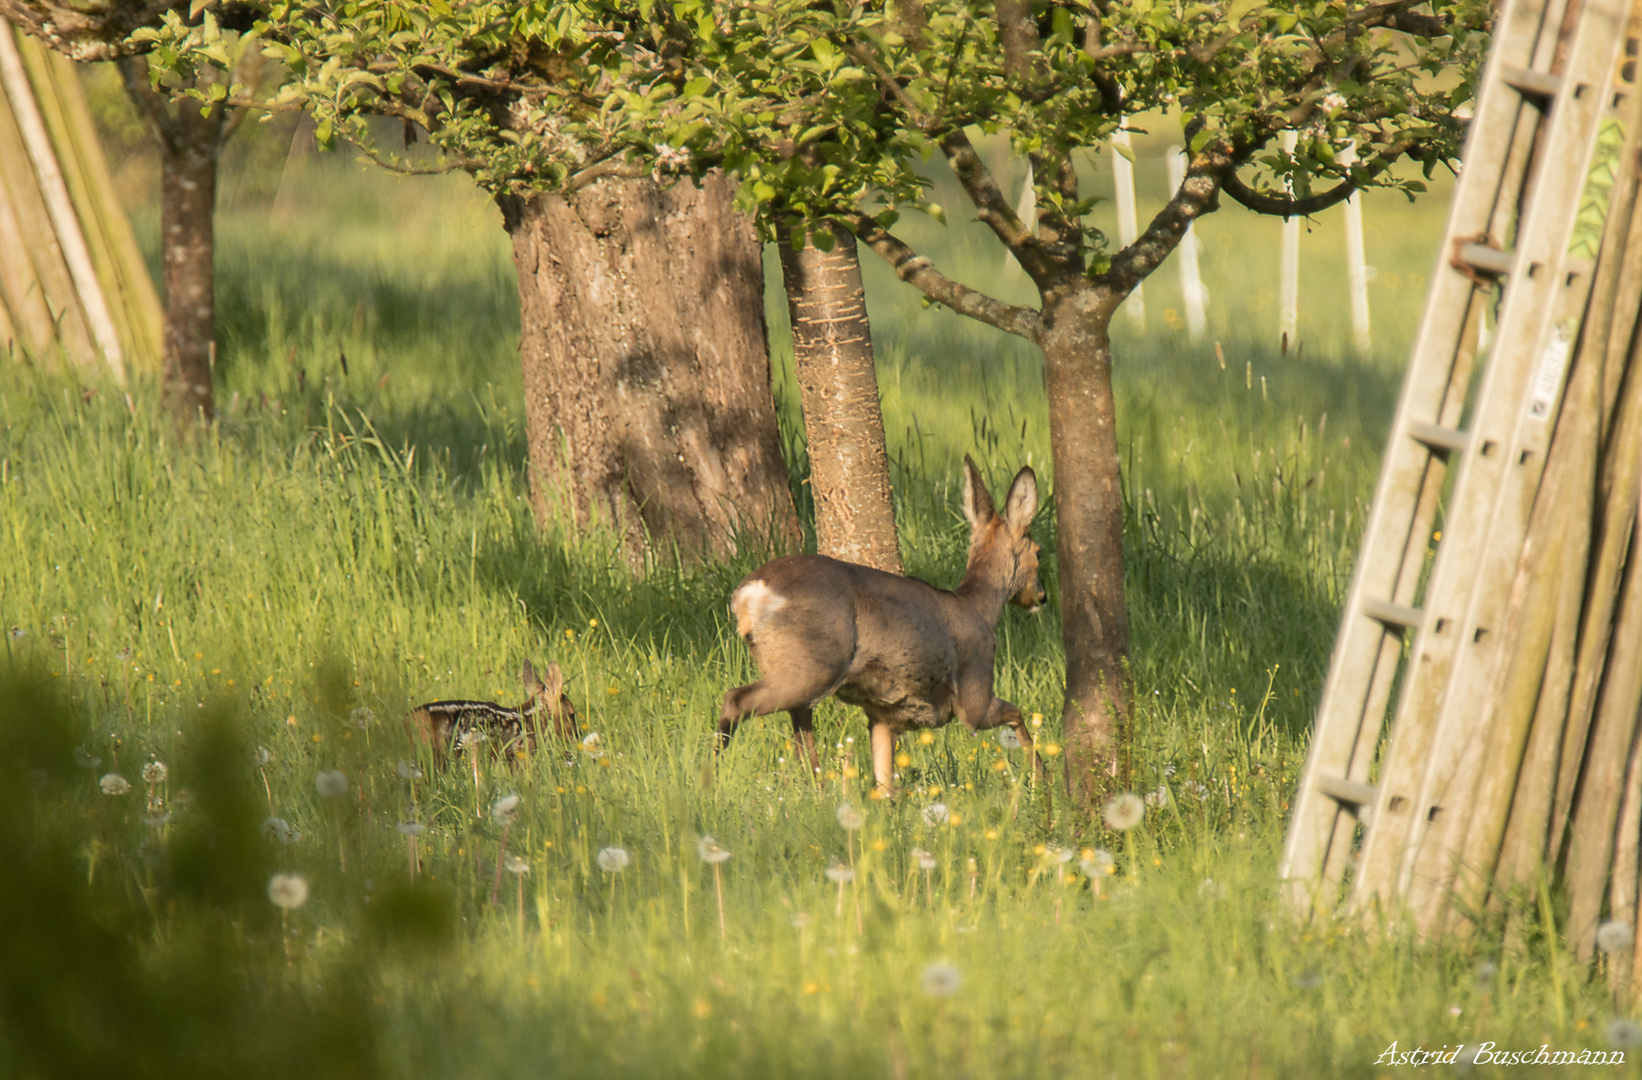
(548, 712)
(909, 654)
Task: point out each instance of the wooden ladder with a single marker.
(1556, 74)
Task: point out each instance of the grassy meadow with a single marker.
(261, 607)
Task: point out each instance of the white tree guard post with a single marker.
(1356, 264)
(1195, 297)
(1027, 210)
(1288, 307)
(1128, 224)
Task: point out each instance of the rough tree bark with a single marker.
(843, 419)
(190, 145)
(646, 370)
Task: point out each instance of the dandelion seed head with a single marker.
(1097, 863)
(505, 809)
(288, 891)
(331, 784)
(924, 859)
(410, 828)
(114, 784)
(1624, 1034)
(1124, 811)
(362, 717)
(711, 851)
(839, 874)
(1008, 739)
(275, 828)
(1614, 936)
(155, 772)
(942, 980)
(849, 817)
(936, 813)
(1059, 855)
(613, 860)
(407, 771)
(516, 866)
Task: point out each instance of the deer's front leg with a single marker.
(883, 759)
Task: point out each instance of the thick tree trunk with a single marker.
(189, 148)
(843, 420)
(1077, 351)
(646, 370)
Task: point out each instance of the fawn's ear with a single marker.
(1022, 503)
(555, 681)
(533, 684)
(978, 507)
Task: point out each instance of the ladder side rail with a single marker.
(1362, 644)
(1493, 470)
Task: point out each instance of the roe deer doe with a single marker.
(451, 725)
(909, 654)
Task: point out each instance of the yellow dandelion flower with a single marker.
(926, 738)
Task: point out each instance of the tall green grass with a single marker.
(265, 604)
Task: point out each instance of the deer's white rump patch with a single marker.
(753, 604)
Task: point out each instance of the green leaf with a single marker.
(1127, 153)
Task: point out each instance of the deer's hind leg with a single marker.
(796, 678)
(803, 733)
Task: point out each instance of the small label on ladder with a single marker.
(1552, 363)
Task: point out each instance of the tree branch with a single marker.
(1198, 195)
(1283, 206)
(991, 204)
(917, 271)
(100, 32)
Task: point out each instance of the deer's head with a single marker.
(1002, 552)
(549, 708)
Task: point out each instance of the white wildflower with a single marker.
(593, 744)
(1124, 812)
(407, 771)
(936, 813)
(1334, 102)
(362, 718)
(711, 851)
(942, 980)
(838, 873)
(849, 817)
(288, 891)
(114, 784)
(1159, 798)
(613, 860)
(1008, 739)
(155, 772)
(331, 784)
(1058, 855)
(516, 866)
(924, 859)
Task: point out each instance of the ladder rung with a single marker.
(1346, 791)
(1392, 614)
(1537, 83)
(1485, 259)
(1439, 438)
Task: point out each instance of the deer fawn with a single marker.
(451, 725)
(909, 654)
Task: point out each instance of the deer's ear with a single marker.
(533, 684)
(1022, 502)
(555, 680)
(978, 507)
